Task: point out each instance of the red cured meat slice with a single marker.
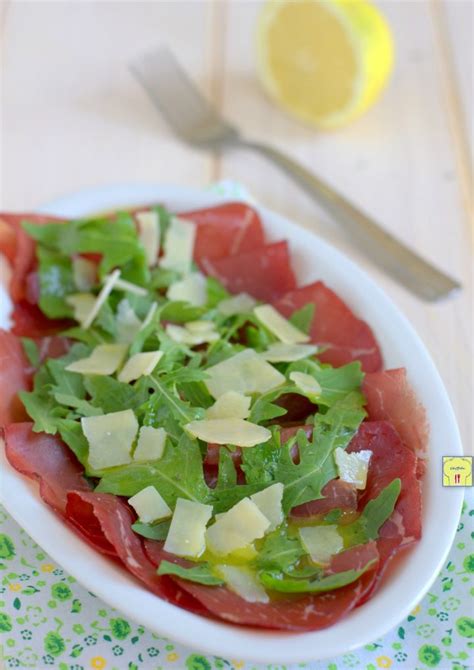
(29, 321)
(354, 558)
(390, 397)
(225, 230)
(337, 494)
(20, 248)
(14, 377)
(105, 520)
(298, 614)
(16, 372)
(312, 612)
(47, 459)
(265, 272)
(335, 327)
(391, 459)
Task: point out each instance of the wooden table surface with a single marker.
(73, 116)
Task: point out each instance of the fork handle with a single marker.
(383, 249)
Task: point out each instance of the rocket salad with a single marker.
(231, 438)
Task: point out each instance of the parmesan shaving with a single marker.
(179, 245)
(149, 235)
(186, 536)
(237, 304)
(192, 289)
(245, 373)
(139, 365)
(149, 505)
(105, 359)
(279, 352)
(279, 326)
(229, 431)
(230, 405)
(105, 291)
(84, 273)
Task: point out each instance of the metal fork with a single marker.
(196, 122)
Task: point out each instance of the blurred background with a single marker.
(73, 116)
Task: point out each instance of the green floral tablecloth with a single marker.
(49, 621)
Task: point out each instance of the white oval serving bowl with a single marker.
(413, 574)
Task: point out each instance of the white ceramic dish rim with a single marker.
(401, 347)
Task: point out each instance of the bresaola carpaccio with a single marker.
(230, 438)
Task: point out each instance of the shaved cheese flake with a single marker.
(105, 359)
(321, 542)
(105, 291)
(279, 326)
(139, 365)
(229, 431)
(110, 438)
(268, 502)
(186, 536)
(84, 273)
(128, 287)
(237, 528)
(184, 336)
(230, 405)
(245, 373)
(243, 582)
(237, 304)
(279, 352)
(192, 289)
(149, 505)
(179, 245)
(306, 383)
(150, 444)
(128, 324)
(353, 468)
(82, 304)
(149, 235)
(199, 326)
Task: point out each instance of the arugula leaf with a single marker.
(227, 492)
(303, 318)
(216, 292)
(264, 408)
(164, 220)
(333, 516)
(179, 311)
(55, 281)
(376, 512)
(64, 381)
(92, 235)
(111, 395)
(335, 383)
(181, 410)
(157, 531)
(278, 581)
(304, 480)
(163, 278)
(260, 463)
(106, 320)
(178, 474)
(91, 337)
(43, 409)
(82, 406)
(31, 350)
(71, 433)
(201, 573)
(279, 551)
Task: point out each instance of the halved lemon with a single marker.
(324, 61)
